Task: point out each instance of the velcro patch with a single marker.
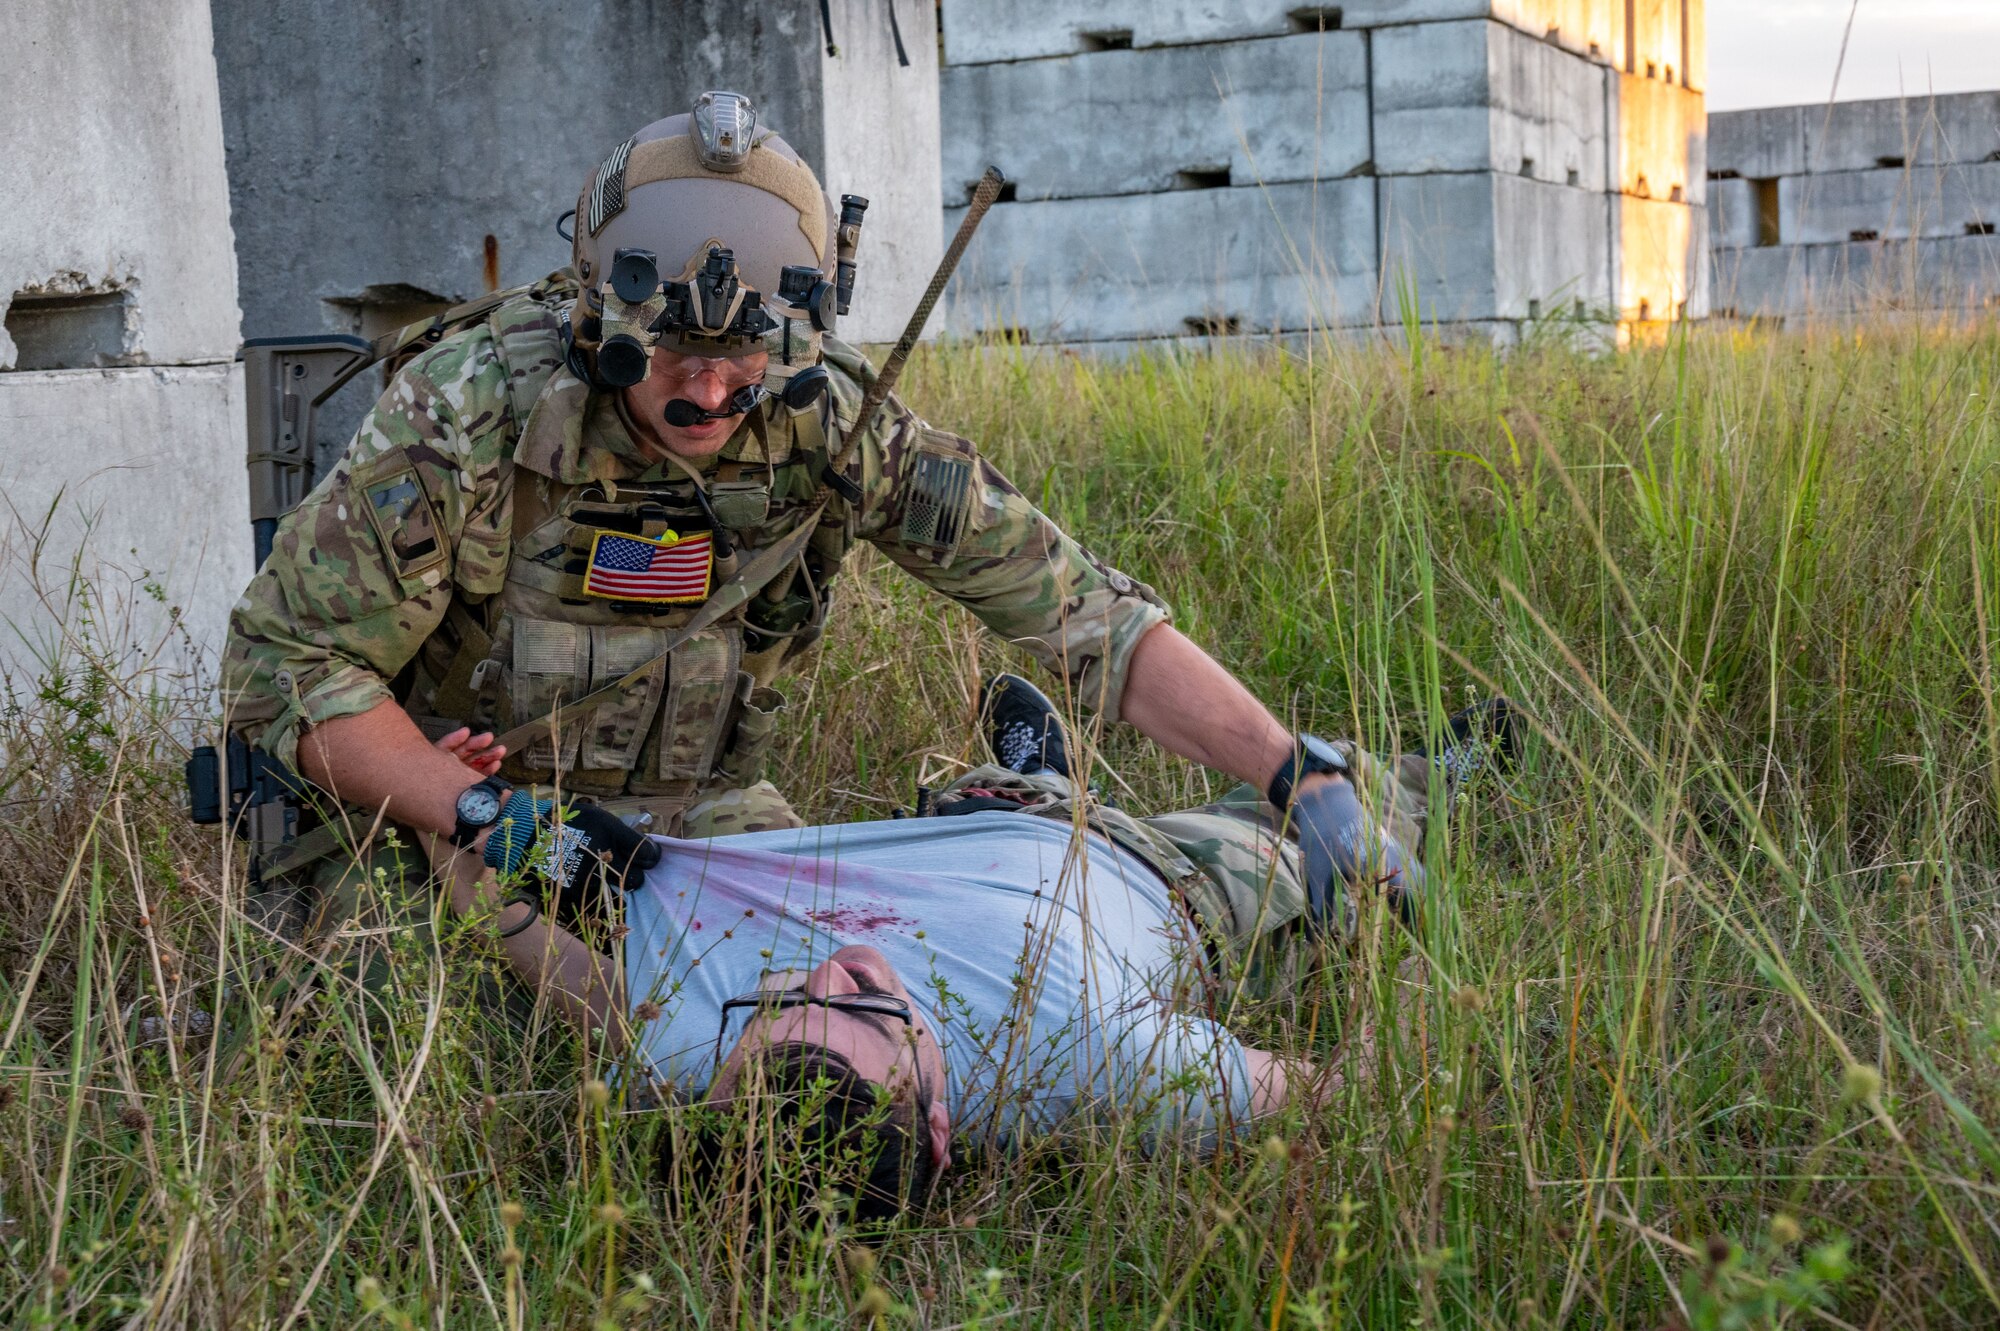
(674, 570)
(607, 190)
(404, 521)
(938, 501)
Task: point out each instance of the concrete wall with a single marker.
(1493, 246)
(1857, 207)
(880, 127)
(1187, 262)
(380, 151)
(118, 277)
(1499, 160)
(1274, 109)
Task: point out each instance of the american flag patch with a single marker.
(632, 568)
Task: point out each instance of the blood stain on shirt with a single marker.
(856, 919)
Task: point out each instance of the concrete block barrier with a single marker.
(1249, 260)
(1276, 109)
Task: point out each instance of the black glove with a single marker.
(573, 851)
(1341, 841)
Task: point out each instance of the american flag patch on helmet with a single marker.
(607, 192)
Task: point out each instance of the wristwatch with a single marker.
(1310, 754)
(479, 808)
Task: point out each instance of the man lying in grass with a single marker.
(1028, 966)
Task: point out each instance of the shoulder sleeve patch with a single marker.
(937, 496)
(403, 518)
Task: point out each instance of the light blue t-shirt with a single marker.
(986, 917)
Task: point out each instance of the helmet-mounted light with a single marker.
(725, 128)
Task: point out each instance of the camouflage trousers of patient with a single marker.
(1242, 880)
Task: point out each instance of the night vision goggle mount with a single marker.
(713, 310)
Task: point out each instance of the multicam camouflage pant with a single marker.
(1243, 882)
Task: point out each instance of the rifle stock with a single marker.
(286, 381)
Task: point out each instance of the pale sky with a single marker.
(1781, 52)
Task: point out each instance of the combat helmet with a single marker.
(707, 234)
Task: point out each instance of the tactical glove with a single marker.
(571, 852)
(1341, 842)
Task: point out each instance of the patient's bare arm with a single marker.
(586, 987)
(1275, 1078)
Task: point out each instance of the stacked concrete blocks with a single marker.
(121, 410)
(1493, 160)
(1489, 159)
(1168, 191)
(1857, 207)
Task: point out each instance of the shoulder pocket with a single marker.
(404, 519)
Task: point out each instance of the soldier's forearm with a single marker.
(1177, 696)
(380, 755)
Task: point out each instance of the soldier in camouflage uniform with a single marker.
(544, 500)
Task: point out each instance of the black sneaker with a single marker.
(1022, 727)
(1481, 738)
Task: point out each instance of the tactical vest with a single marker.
(707, 715)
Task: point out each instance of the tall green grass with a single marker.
(1702, 1031)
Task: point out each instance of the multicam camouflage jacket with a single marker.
(473, 556)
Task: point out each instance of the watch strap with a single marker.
(1300, 763)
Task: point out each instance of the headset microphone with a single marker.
(802, 389)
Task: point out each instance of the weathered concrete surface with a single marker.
(1131, 122)
(1961, 273)
(1295, 256)
(139, 475)
(113, 171)
(1660, 252)
(1481, 96)
(1670, 35)
(880, 124)
(980, 32)
(1732, 214)
(1857, 136)
(114, 181)
(1661, 135)
(378, 144)
(1934, 201)
(1665, 42)
(1492, 246)
(1958, 273)
(1881, 207)
(1504, 136)
(1767, 282)
(1761, 144)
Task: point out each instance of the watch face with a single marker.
(1321, 756)
(479, 805)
